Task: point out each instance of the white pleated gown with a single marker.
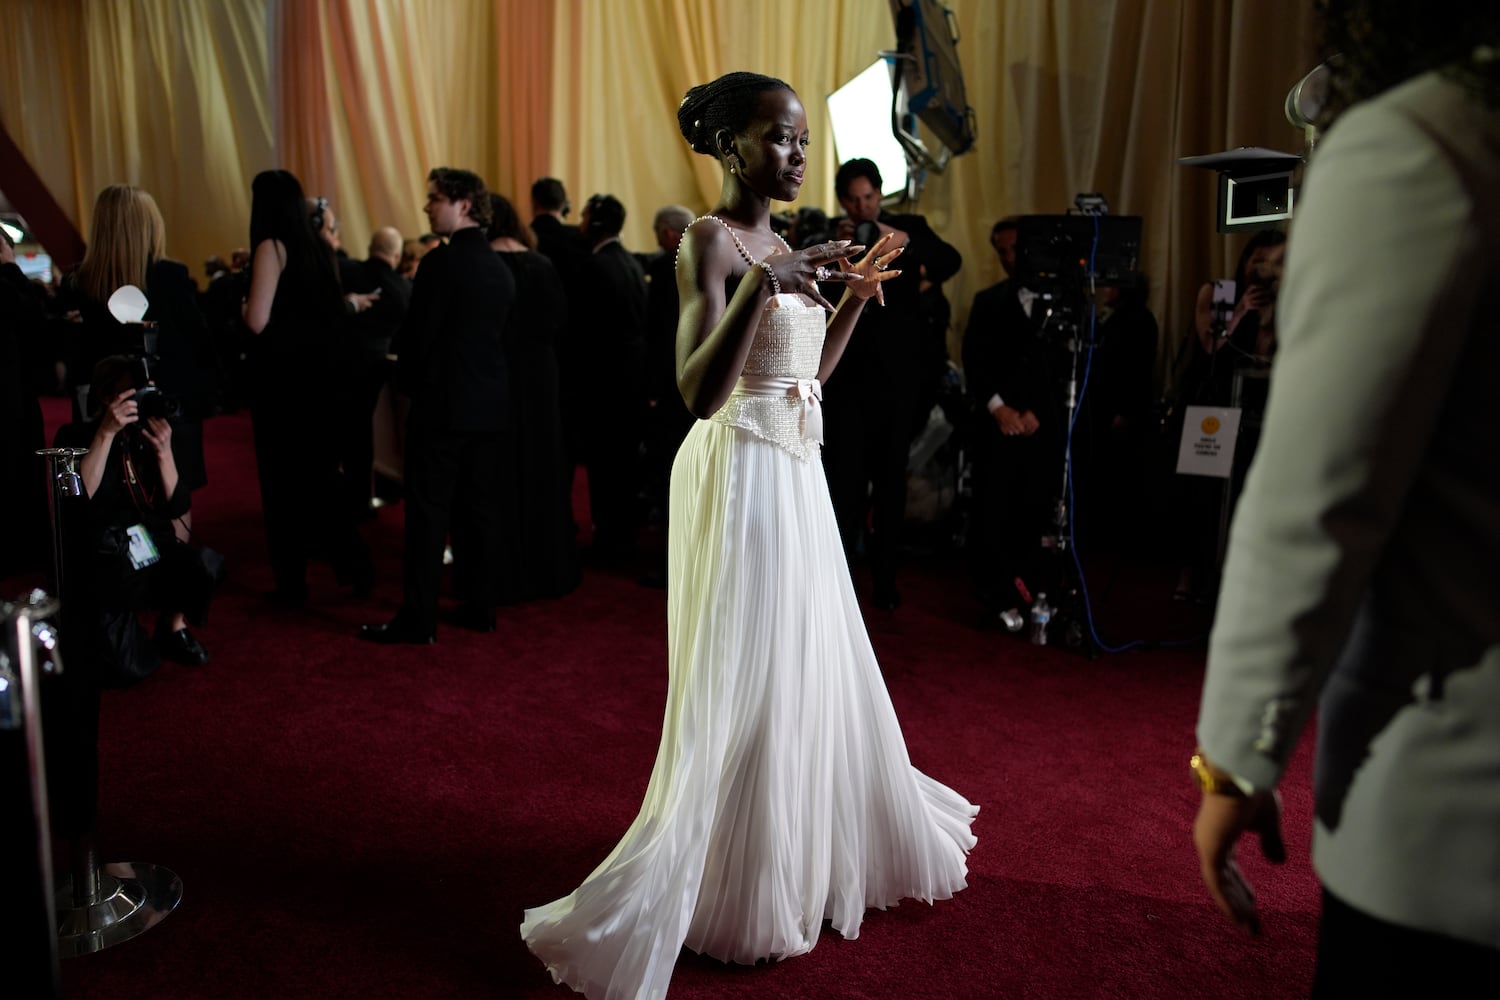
(782, 793)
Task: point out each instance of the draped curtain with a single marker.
(190, 98)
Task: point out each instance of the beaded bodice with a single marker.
(771, 399)
(789, 340)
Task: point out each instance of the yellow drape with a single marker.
(189, 98)
(172, 96)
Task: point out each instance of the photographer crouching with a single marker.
(124, 556)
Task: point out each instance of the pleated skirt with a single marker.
(782, 794)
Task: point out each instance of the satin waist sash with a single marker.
(807, 391)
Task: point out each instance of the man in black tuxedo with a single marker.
(1014, 374)
(872, 400)
(610, 375)
(566, 247)
(451, 363)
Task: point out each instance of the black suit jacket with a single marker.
(451, 358)
(374, 329)
(662, 307)
(558, 241)
(612, 320)
(1005, 355)
(889, 342)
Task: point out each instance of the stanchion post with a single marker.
(27, 631)
(98, 905)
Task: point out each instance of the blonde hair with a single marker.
(126, 234)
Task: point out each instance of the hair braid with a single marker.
(726, 103)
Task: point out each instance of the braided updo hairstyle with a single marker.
(726, 103)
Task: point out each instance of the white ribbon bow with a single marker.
(808, 390)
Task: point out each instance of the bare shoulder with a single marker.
(707, 250)
(706, 233)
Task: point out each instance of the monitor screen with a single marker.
(1254, 202)
(860, 111)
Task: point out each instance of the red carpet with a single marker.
(360, 821)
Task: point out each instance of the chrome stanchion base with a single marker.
(132, 898)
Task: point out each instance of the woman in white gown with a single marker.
(782, 793)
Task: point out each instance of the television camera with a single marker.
(1064, 260)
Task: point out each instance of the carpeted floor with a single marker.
(360, 821)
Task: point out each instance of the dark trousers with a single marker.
(450, 477)
(612, 457)
(356, 433)
(299, 494)
(867, 439)
(1016, 484)
(1362, 956)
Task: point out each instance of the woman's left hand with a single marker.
(867, 278)
(159, 433)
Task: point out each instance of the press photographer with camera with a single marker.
(123, 555)
(881, 394)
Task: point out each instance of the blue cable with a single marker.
(1083, 588)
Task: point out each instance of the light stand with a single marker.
(1067, 597)
(97, 905)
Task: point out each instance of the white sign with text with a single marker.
(1208, 436)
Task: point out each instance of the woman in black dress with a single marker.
(541, 553)
(296, 309)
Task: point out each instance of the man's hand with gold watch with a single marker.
(1212, 780)
(1225, 812)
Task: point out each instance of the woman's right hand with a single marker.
(120, 412)
(1256, 298)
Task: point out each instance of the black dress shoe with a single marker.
(396, 631)
(473, 618)
(181, 646)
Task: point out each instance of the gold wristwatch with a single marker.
(1212, 780)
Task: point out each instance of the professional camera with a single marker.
(152, 402)
(112, 374)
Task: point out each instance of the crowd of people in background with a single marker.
(312, 340)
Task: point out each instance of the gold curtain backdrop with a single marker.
(190, 98)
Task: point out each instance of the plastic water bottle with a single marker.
(1041, 614)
